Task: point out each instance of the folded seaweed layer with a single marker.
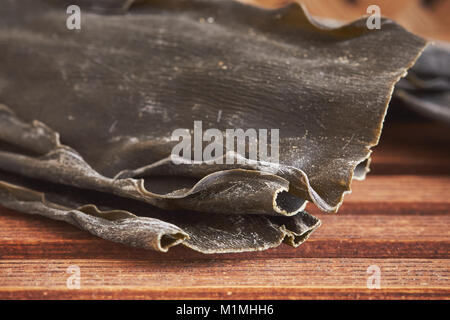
(115, 91)
(226, 191)
(110, 218)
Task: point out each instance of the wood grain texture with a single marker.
(412, 149)
(398, 219)
(269, 278)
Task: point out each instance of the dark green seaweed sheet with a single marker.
(114, 91)
(426, 89)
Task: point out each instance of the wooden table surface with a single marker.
(397, 219)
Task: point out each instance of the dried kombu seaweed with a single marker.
(426, 89)
(114, 91)
(226, 191)
(110, 218)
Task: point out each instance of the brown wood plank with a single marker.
(361, 236)
(270, 278)
(413, 149)
(397, 195)
(407, 189)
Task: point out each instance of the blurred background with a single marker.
(428, 18)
